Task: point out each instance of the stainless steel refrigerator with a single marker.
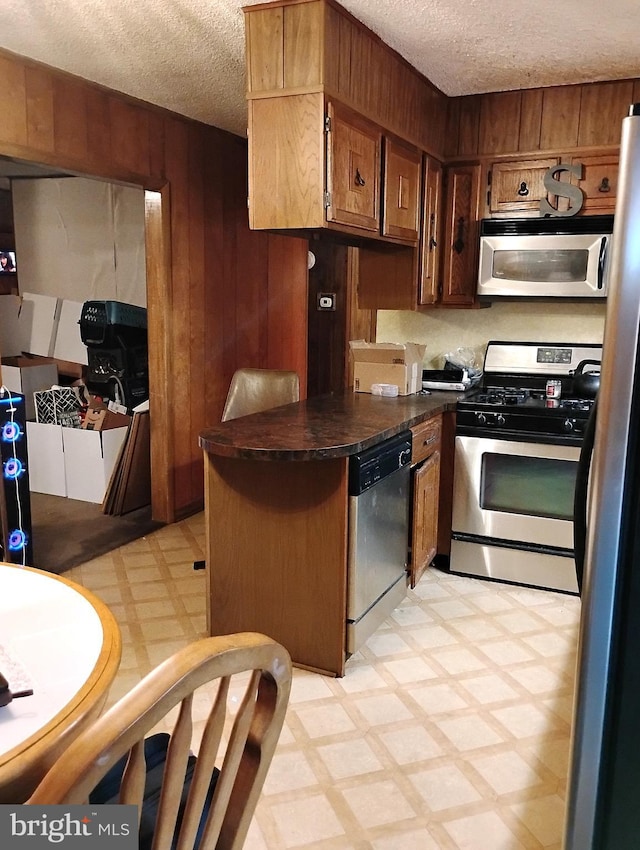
(603, 805)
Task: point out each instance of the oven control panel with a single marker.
(554, 355)
(489, 419)
(521, 424)
(538, 358)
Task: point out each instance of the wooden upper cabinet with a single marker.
(599, 182)
(563, 119)
(401, 191)
(287, 162)
(430, 238)
(303, 55)
(264, 35)
(292, 45)
(462, 206)
(353, 170)
(518, 186)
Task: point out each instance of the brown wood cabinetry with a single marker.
(430, 239)
(353, 169)
(288, 191)
(519, 185)
(287, 162)
(516, 187)
(462, 205)
(316, 45)
(402, 183)
(426, 482)
(568, 119)
(599, 182)
(425, 439)
(323, 90)
(407, 278)
(425, 458)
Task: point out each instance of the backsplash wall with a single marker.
(443, 330)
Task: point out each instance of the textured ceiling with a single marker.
(188, 55)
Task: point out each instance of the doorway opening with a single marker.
(79, 239)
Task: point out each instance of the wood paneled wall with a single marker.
(219, 295)
(557, 118)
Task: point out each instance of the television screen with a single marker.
(7, 262)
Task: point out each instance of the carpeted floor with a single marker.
(67, 532)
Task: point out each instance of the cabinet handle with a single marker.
(432, 223)
(359, 179)
(432, 439)
(458, 245)
(523, 190)
(604, 186)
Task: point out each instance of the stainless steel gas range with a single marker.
(518, 439)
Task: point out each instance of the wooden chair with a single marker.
(255, 725)
(253, 390)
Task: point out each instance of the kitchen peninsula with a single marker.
(276, 503)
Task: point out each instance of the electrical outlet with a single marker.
(326, 301)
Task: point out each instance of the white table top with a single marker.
(56, 635)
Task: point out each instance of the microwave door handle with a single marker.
(580, 495)
(601, 259)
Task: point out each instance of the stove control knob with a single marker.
(500, 419)
(569, 424)
(481, 418)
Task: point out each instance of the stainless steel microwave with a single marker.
(544, 257)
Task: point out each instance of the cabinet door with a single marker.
(599, 182)
(401, 191)
(460, 272)
(353, 170)
(430, 234)
(519, 186)
(424, 540)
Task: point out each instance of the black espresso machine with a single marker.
(116, 338)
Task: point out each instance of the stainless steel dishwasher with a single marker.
(379, 492)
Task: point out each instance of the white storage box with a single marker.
(21, 375)
(38, 323)
(89, 458)
(46, 459)
(72, 462)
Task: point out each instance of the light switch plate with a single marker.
(326, 301)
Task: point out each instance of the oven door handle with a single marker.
(601, 259)
(580, 496)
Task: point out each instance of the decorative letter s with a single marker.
(564, 190)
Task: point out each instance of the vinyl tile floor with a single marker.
(449, 731)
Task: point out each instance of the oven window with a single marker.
(556, 266)
(536, 486)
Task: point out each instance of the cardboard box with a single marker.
(100, 418)
(387, 363)
(38, 323)
(46, 459)
(72, 462)
(26, 376)
(68, 344)
(89, 459)
(11, 342)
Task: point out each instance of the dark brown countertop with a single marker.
(328, 426)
